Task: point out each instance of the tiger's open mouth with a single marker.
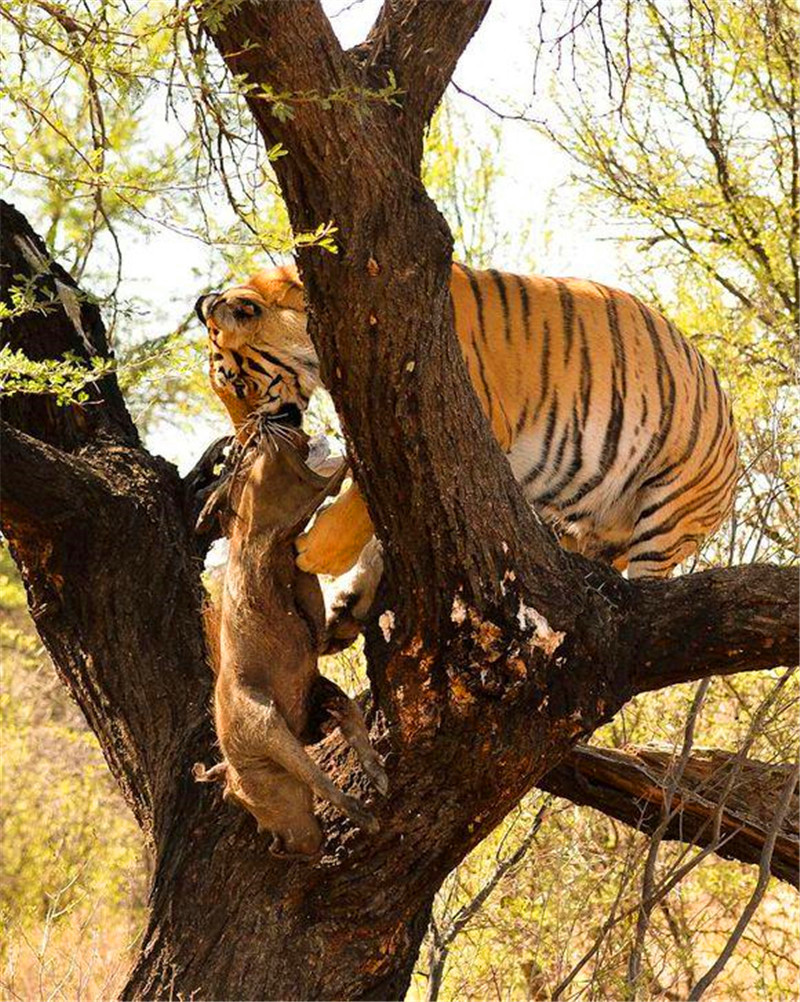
(288, 414)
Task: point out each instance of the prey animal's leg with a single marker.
(283, 748)
(346, 713)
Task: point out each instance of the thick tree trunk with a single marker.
(476, 703)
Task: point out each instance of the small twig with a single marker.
(758, 890)
(667, 813)
(443, 938)
(503, 115)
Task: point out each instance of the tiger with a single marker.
(615, 426)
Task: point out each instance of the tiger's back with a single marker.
(614, 425)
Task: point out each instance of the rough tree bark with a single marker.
(504, 650)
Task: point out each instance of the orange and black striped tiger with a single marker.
(617, 429)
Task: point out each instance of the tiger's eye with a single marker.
(245, 309)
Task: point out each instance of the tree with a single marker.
(476, 703)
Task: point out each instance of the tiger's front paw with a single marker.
(339, 533)
(321, 551)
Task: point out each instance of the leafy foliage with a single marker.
(63, 380)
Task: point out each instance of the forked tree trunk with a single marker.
(475, 706)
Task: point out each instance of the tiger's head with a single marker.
(261, 357)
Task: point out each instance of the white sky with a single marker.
(162, 270)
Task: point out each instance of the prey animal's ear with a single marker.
(217, 502)
(202, 480)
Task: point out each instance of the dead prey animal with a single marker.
(269, 698)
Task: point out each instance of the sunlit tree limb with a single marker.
(716, 622)
(630, 785)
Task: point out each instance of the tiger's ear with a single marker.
(292, 297)
(279, 287)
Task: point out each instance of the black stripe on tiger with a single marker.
(664, 556)
(694, 505)
(522, 288)
(585, 386)
(501, 291)
(544, 371)
(566, 478)
(617, 346)
(666, 399)
(662, 478)
(285, 366)
(541, 463)
(522, 420)
(608, 455)
(567, 301)
(703, 468)
(484, 384)
(257, 367)
(478, 297)
(281, 363)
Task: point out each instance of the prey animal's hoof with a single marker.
(341, 630)
(279, 851)
(213, 775)
(377, 776)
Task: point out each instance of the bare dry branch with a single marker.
(633, 786)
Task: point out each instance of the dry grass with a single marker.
(79, 957)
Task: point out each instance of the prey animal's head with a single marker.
(280, 804)
(268, 486)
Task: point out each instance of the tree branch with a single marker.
(60, 319)
(42, 484)
(631, 787)
(718, 622)
(421, 43)
(90, 515)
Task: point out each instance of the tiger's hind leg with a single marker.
(606, 546)
(645, 562)
(661, 540)
(655, 553)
